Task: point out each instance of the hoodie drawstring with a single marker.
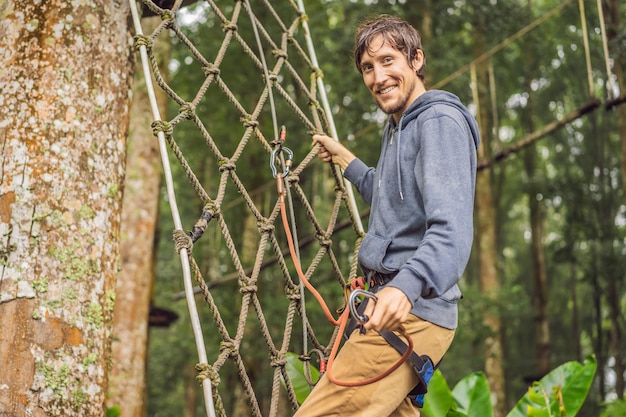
(399, 130)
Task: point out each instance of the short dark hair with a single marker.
(397, 32)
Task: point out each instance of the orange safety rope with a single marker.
(343, 319)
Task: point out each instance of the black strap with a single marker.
(420, 364)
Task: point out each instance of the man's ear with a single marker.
(418, 60)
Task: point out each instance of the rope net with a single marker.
(224, 136)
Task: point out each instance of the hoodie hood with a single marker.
(423, 103)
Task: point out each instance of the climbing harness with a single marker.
(422, 364)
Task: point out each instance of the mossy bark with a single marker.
(64, 77)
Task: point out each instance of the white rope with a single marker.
(329, 115)
(184, 259)
(583, 22)
(613, 89)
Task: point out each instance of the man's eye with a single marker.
(388, 59)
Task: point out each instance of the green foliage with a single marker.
(295, 371)
(616, 408)
(114, 411)
(472, 395)
(561, 393)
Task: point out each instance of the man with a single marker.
(420, 227)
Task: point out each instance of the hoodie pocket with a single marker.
(452, 295)
(372, 253)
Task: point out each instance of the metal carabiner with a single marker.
(360, 319)
(288, 160)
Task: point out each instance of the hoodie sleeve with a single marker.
(362, 177)
(445, 172)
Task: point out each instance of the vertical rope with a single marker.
(583, 22)
(605, 47)
(329, 115)
(184, 254)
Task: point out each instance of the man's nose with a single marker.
(379, 74)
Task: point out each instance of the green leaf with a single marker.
(439, 398)
(537, 412)
(473, 396)
(114, 411)
(571, 381)
(295, 370)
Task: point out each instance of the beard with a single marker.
(398, 104)
(393, 108)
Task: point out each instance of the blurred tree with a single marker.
(142, 185)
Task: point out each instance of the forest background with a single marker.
(545, 283)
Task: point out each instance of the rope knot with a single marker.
(246, 287)
(229, 347)
(248, 122)
(211, 69)
(317, 72)
(293, 293)
(186, 110)
(162, 126)
(280, 53)
(206, 371)
(142, 40)
(265, 226)
(226, 165)
(167, 16)
(229, 26)
(182, 241)
(293, 178)
(278, 361)
(324, 240)
(303, 17)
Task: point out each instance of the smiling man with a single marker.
(420, 228)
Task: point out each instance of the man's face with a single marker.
(389, 77)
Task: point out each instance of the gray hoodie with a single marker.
(421, 195)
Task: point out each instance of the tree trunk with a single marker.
(127, 384)
(540, 279)
(64, 89)
(614, 29)
(487, 235)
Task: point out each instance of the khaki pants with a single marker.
(365, 356)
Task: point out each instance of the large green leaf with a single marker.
(439, 399)
(295, 370)
(569, 382)
(473, 396)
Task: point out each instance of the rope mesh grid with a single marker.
(218, 186)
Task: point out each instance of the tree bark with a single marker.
(127, 385)
(64, 90)
(614, 29)
(540, 279)
(487, 236)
